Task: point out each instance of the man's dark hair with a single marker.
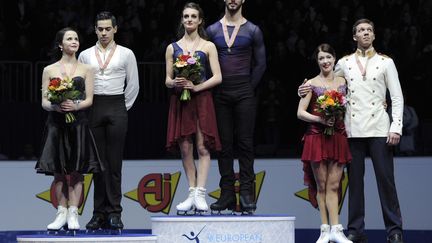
(362, 21)
(106, 15)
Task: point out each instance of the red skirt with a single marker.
(185, 116)
(319, 148)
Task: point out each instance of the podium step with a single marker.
(229, 228)
(88, 238)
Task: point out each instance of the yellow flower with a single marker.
(330, 102)
(61, 87)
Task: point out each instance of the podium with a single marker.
(224, 228)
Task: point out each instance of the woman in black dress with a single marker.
(68, 148)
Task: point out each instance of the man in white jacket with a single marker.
(370, 130)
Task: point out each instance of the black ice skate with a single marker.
(247, 204)
(227, 201)
(96, 225)
(115, 224)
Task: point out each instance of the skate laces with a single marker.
(200, 191)
(74, 212)
(61, 211)
(191, 192)
(337, 228)
(337, 233)
(325, 228)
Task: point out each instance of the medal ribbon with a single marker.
(191, 51)
(229, 40)
(361, 68)
(63, 69)
(103, 66)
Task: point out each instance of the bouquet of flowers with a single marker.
(331, 104)
(60, 90)
(189, 67)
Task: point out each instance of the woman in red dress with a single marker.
(324, 156)
(193, 119)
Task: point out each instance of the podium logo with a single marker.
(49, 195)
(192, 236)
(155, 192)
(251, 237)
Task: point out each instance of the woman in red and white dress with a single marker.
(324, 156)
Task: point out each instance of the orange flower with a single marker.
(330, 102)
(180, 64)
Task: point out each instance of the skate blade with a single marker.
(223, 212)
(200, 212)
(62, 232)
(91, 231)
(115, 231)
(246, 213)
(96, 231)
(104, 231)
(186, 213)
(52, 232)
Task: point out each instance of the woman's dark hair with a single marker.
(362, 21)
(201, 30)
(324, 47)
(106, 15)
(56, 53)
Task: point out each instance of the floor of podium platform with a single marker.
(79, 236)
(224, 217)
(301, 235)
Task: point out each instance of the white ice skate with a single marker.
(325, 234)
(337, 235)
(187, 206)
(72, 218)
(60, 220)
(200, 201)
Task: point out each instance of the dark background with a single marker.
(292, 29)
